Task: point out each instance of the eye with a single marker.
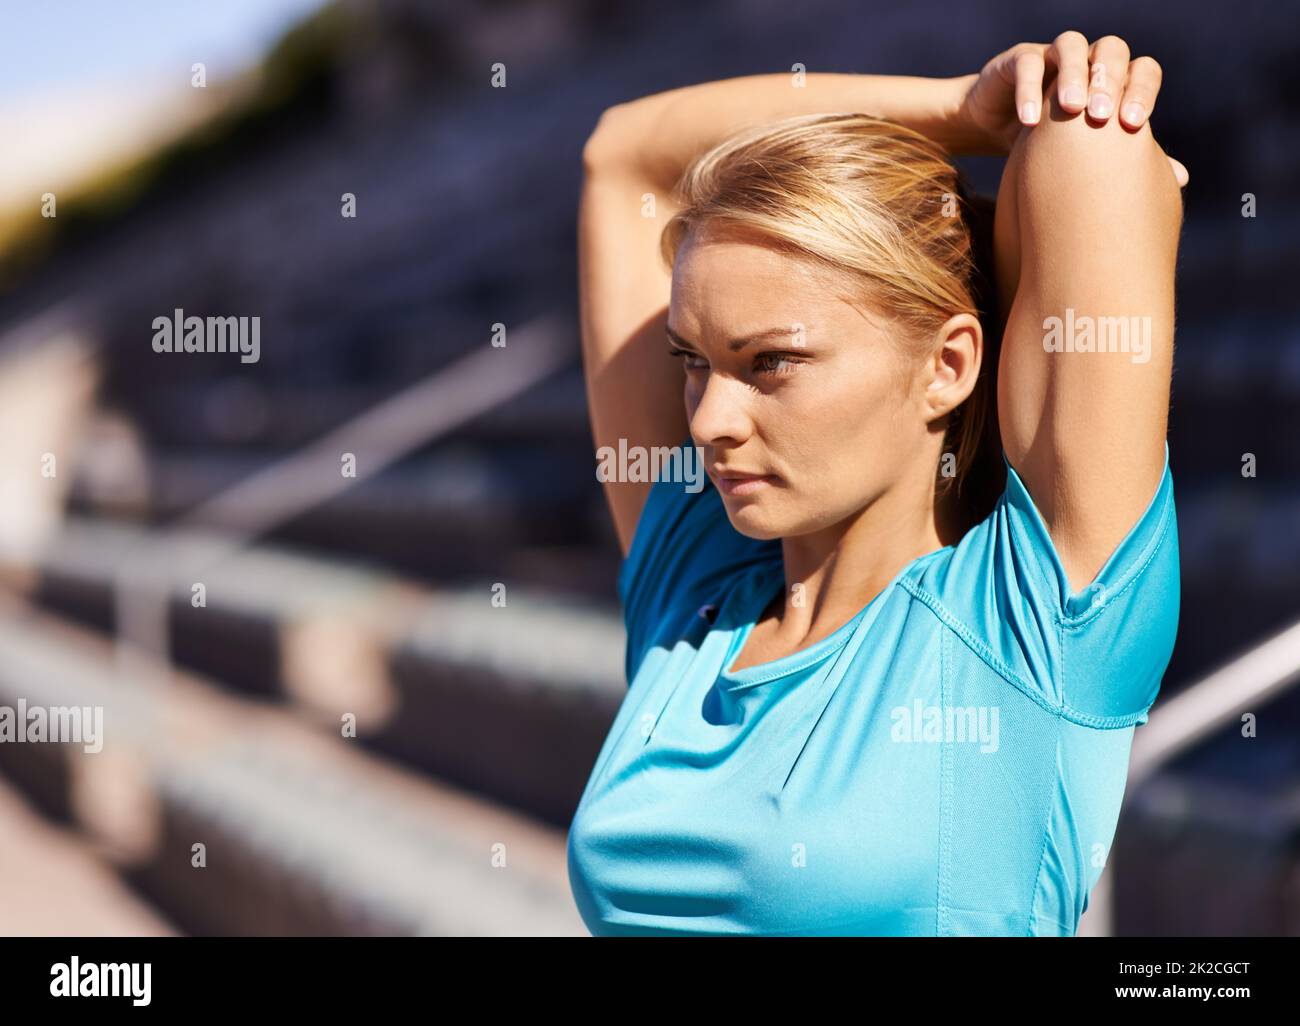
(775, 363)
(689, 360)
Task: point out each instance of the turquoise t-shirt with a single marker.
(951, 761)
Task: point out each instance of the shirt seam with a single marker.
(732, 682)
(990, 659)
(943, 926)
(1049, 809)
(1074, 623)
(1052, 587)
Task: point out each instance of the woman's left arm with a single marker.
(1086, 239)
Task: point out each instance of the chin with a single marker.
(751, 520)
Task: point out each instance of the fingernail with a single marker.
(1074, 96)
(1134, 113)
(1099, 106)
(1029, 112)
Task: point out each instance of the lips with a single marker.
(735, 482)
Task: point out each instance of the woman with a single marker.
(884, 673)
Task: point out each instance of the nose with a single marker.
(719, 416)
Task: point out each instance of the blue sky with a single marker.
(62, 44)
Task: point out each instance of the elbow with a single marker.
(1069, 158)
(601, 147)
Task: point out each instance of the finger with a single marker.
(1107, 71)
(1069, 54)
(1180, 173)
(1144, 76)
(1029, 70)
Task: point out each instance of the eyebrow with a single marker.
(737, 344)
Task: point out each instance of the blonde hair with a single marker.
(881, 204)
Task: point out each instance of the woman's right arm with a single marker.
(631, 163)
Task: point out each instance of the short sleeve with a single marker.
(684, 553)
(1100, 653)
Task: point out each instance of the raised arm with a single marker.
(1086, 238)
(631, 163)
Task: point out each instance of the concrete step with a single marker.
(444, 514)
(510, 700)
(302, 832)
(274, 417)
(58, 884)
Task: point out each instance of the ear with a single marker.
(954, 364)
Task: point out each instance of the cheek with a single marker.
(848, 431)
(851, 407)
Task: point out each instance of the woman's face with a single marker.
(819, 409)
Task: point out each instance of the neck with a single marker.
(843, 567)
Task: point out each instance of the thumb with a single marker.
(1180, 172)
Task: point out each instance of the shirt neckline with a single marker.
(756, 598)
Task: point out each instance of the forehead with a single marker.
(730, 279)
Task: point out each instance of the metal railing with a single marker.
(1242, 685)
(304, 479)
